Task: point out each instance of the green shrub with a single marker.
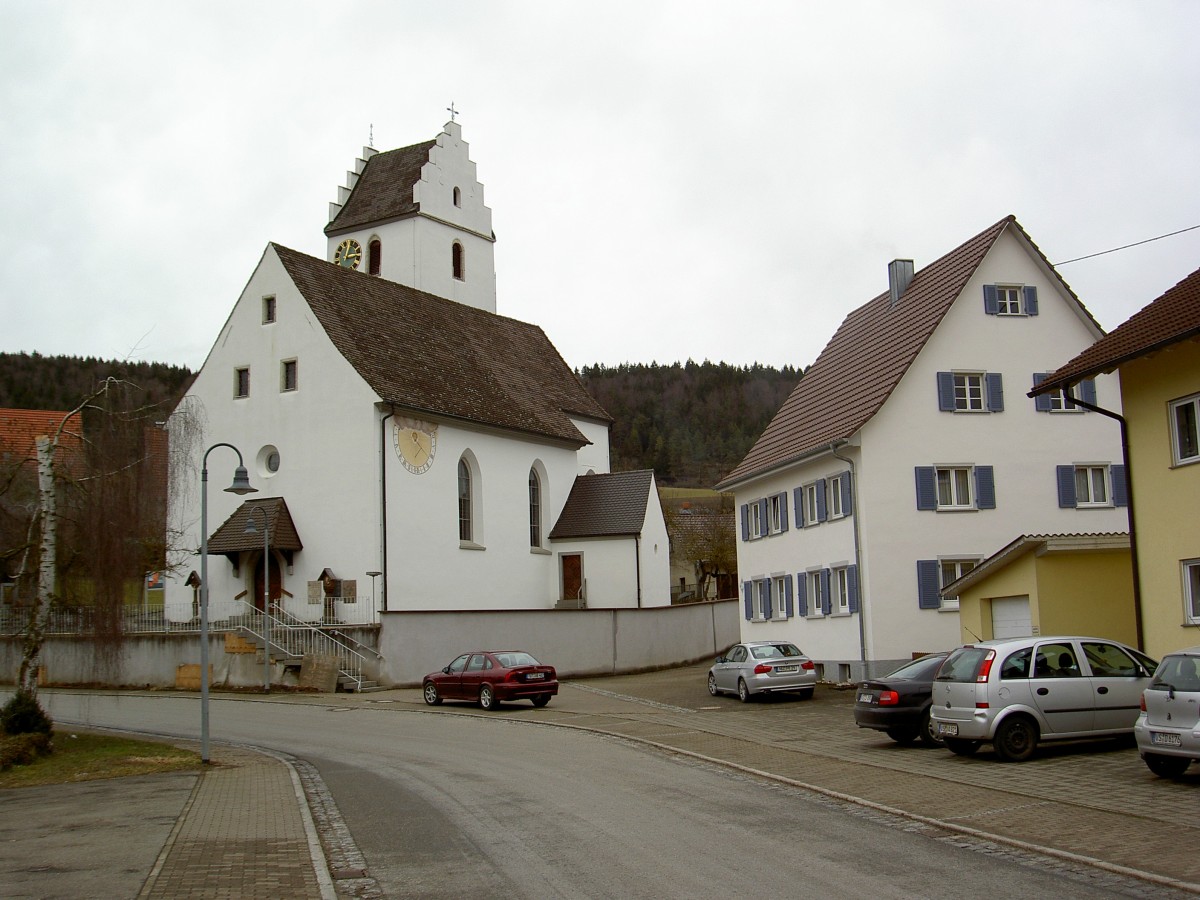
(22, 749)
(22, 714)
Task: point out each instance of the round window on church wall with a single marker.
(268, 461)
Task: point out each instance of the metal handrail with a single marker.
(283, 623)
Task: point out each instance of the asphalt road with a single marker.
(442, 805)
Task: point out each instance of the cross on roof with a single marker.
(453, 112)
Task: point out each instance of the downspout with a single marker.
(862, 600)
(383, 544)
(637, 562)
(1133, 547)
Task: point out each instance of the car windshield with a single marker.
(962, 664)
(512, 660)
(1180, 673)
(922, 669)
(775, 651)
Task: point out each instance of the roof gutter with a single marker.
(729, 485)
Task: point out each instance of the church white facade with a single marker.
(410, 448)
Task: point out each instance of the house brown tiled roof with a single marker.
(1172, 318)
(608, 505)
(866, 358)
(384, 190)
(20, 427)
(443, 358)
(231, 537)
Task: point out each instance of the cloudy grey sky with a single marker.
(668, 180)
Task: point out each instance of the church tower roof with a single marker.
(383, 188)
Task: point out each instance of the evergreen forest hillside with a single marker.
(690, 422)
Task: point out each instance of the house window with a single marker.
(287, 375)
(1185, 439)
(955, 487)
(1191, 590)
(781, 592)
(777, 513)
(535, 509)
(934, 574)
(839, 493)
(970, 392)
(241, 382)
(817, 583)
(951, 571)
(1010, 300)
(457, 262)
(762, 599)
(1083, 485)
(811, 508)
(1091, 486)
(1056, 401)
(465, 530)
(756, 520)
(840, 588)
(268, 310)
(374, 256)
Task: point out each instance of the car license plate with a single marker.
(865, 698)
(947, 730)
(786, 670)
(1165, 740)
(535, 676)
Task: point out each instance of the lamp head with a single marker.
(241, 482)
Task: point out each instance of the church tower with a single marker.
(416, 216)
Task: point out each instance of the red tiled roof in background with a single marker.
(868, 355)
(19, 428)
(1172, 318)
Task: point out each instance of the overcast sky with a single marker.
(668, 180)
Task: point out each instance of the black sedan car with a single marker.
(898, 703)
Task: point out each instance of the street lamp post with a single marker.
(373, 575)
(241, 485)
(250, 529)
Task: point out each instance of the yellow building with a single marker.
(1157, 353)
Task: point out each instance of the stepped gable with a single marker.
(384, 189)
(435, 356)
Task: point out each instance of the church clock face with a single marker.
(416, 444)
(348, 253)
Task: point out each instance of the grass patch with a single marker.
(86, 756)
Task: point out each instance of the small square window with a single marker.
(968, 392)
(1008, 300)
(268, 310)
(287, 375)
(241, 382)
(1185, 436)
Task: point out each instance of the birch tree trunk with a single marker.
(35, 635)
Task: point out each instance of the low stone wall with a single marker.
(410, 644)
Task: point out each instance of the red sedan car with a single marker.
(489, 677)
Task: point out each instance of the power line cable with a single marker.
(1127, 246)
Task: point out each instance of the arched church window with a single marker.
(535, 509)
(374, 256)
(457, 197)
(465, 530)
(457, 262)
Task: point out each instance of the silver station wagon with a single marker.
(1015, 693)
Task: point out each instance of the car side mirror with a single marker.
(445, 670)
(722, 659)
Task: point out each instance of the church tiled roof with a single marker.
(231, 537)
(1172, 318)
(865, 359)
(384, 190)
(608, 505)
(435, 356)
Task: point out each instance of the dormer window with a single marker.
(374, 256)
(458, 264)
(458, 198)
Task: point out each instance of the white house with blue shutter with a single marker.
(909, 452)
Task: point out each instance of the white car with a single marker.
(1015, 693)
(1168, 729)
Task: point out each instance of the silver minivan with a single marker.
(1168, 730)
(1014, 693)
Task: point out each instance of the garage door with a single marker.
(1010, 617)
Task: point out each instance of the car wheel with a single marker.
(807, 694)
(1166, 766)
(962, 747)
(1016, 739)
(487, 698)
(712, 684)
(432, 697)
(540, 700)
(930, 736)
(743, 691)
(902, 735)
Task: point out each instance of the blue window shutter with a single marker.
(783, 518)
(826, 599)
(822, 503)
(847, 496)
(991, 300)
(1042, 401)
(927, 584)
(1066, 487)
(926, 488)
(748, 591)
(745, 522)
(802, 593)
(995, 391)
(1030, 300)
(766, 593)
(798, 496)
(1120, 487)
(985, 488)
(852, 587)
(945, 384)
(1086, 391)
(787, 596)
